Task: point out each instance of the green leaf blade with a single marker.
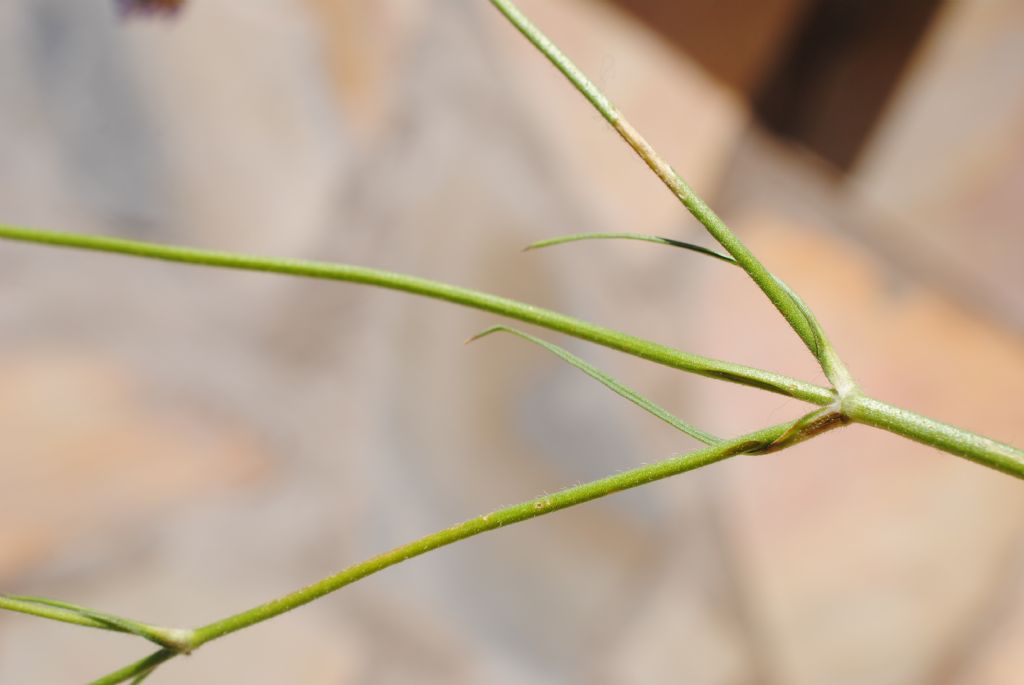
(609, 382)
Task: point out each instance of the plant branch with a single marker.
(503, 517)
(808, 330)
(751, 443)
(704, 366)
(977, 448)
(839, 405)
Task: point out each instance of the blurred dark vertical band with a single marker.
(819, 72)
(148, 7)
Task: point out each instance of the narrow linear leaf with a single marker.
(67, 612)
(609, 382)
(693, 247)
(818, 340)
(817, 333)
(46, 601)
(116, 623)
(56, 611)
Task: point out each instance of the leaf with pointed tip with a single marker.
(56, 611)
(609, 382)
(805, 311)
(693, 247)
(46, 601)
(108, 620)
(67, 612)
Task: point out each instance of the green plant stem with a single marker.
(977, 448)
(865, 410)
(139, 669)
(502, 517)
(842, 403)
(713, 368)
(811, 333)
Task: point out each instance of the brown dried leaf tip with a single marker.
(165, 8)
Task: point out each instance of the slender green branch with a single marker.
(980, 449)
(780, 296)
(841, 404)
(138, 670)
(735, 373)
(502, 517)
(977, 448)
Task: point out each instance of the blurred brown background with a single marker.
(178, 444)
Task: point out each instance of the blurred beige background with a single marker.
(179, 444)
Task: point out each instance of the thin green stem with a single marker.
(977, 448)
(502, 517)
(841, 404)
(713, 368)
(139, 669)
(781, 297)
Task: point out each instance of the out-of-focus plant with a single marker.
(840, 403)
(129, 8)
